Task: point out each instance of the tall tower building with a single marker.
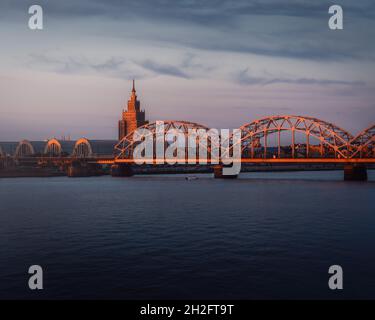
(133, 117)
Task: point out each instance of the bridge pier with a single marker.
(355, 172)
(78, 169)
(218, 173)
(121, 170)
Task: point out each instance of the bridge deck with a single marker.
(260, 161)
(111, 160)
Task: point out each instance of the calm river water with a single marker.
(265, 235)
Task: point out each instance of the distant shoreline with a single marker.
(31, 173)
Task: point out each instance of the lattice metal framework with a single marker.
(363, 145)
(125, 148)
(322, 139)
(333, 140)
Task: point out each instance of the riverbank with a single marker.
(31, 172)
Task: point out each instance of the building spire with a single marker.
(133, 117)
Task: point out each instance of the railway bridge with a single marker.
(286, 140)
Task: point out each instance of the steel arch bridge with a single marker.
(364, 144)
(331, 141)
(330, 137)
(125, 148)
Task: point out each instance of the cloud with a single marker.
(198, 11)
(113, 66)
(244, 78)
(116, 67)
(72, 64)
(274, 28)
(188, 68)
(189, 62)
(164, 69)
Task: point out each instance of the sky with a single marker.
(220, 63)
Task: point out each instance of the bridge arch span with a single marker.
(53, 148)
(364, 143)
(82, 149)
(330, 136)
(24, 149)
(124, 149)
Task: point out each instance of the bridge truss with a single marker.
(332, 140)
(322, 139)
(125, 148)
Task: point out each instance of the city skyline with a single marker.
(73, 77)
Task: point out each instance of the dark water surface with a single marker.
(265, 235)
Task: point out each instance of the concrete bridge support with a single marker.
(78, 169)
(355, 172)
(218, 173)
(122, 170)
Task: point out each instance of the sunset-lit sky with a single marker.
(220, 63)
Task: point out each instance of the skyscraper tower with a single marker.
(133, 117)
